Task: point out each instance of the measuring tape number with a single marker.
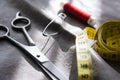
(84, 63)
(107, 39)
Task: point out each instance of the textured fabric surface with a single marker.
(13, 64)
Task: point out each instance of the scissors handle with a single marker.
(20, 21)
(4, 31)
(31, 42)
(26, 23)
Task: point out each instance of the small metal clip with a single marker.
(62, 16)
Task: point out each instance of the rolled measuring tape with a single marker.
(84, 63)
(107, 39)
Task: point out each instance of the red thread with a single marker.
(77, 13)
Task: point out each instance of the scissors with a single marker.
(31, 49)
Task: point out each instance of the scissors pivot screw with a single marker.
(38, 55)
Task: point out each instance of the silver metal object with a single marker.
(32, 49)
(26, 21)
(62, 16)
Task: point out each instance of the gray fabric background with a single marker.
(13, 66)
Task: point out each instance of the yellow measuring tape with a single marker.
(107, 44)
(84, 63)
(107, 40)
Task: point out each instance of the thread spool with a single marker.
(78, 14)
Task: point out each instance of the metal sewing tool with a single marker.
(32, 50)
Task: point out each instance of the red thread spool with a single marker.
(79, 14)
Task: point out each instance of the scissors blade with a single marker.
(44, 62)
(50, 67)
